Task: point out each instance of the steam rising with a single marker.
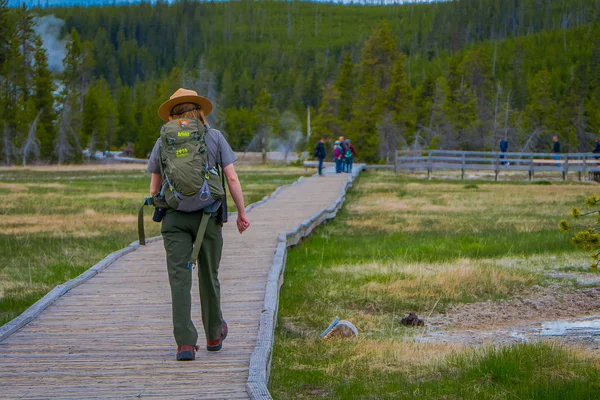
(48, 28)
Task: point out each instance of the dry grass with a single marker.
(453, 282)
(416, 207)
(87, 222)
(401, 355)
(76, 167)
(13, 187)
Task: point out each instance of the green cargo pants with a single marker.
(179, 231)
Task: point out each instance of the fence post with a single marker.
(530, 167)
(462, 166)
(565, 167)
(429, 164)
(396, 161)
(584, 166)
(497, 169)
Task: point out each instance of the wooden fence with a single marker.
(585, 164)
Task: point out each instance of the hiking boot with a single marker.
(215, 345)
(187, 352)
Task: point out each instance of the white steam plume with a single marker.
(48, 28)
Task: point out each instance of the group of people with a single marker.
(343, 155)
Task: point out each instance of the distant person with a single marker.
(349, 155)
(597, 148)
(320, 154)
(503, 143)
(343, 146)
(337, 156)
(556, 149)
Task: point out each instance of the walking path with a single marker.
(111, 337)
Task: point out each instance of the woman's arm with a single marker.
(155, 181)
(235, 189)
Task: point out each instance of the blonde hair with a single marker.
(187, 110)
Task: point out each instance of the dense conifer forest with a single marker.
(446, 75)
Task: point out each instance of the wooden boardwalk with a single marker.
(111, 337)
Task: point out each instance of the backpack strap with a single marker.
(223, 210)
(141, 233)
(198, 243)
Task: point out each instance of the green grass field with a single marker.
(56, 222)
(403, 245)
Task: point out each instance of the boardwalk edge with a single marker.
(260, 361)
(36, 309)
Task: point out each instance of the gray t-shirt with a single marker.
(218, 150)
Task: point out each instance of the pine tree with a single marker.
(240, 127)
(91, 119)
(6, 31)
(150, 123)
(25, 35)
(127, 124)
(399, 101)
(345, 85)
(108, 114)
(326, 123)
(367, 109)
(228, 90)
(267, 120)
(464, 119)
(11, 80)
(540, 114)
(76, 70)
(440, 128)
(43, 89)
(312, 91)
(378, 56)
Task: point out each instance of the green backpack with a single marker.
(188, 184)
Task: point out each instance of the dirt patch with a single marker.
(539, 304)
(582, 278)
(549, 313)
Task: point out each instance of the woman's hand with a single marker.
(243, 222)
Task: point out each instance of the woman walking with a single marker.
(337, 156)
(185, 116)
(349, 156)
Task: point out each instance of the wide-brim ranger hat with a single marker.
(184, 96)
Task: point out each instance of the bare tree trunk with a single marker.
(7, 144)
(495, 118)
(264, 148)
(565, 25)
(31, 144)
(531, 137)
(494, 62)
(63, 148)
(506, 117)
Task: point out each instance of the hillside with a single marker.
(462, 65)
